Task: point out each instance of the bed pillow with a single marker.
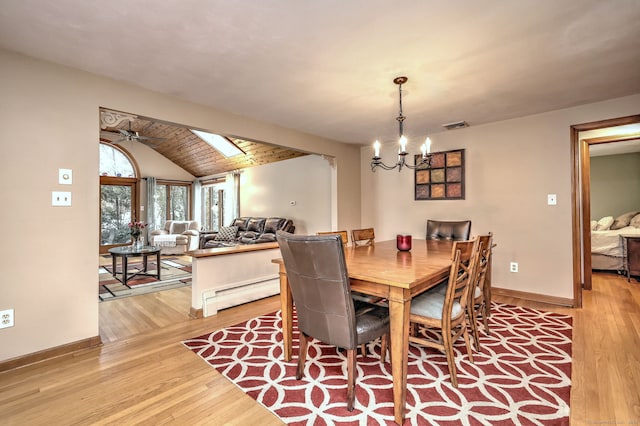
(623, 220)
(594, 225)
(605, 223)
(635, 221)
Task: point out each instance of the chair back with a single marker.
(343, 234)
(448, 230)
(484, 257)
(319, 282)
(461, 277)
(363, 237)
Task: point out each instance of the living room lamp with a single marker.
(425, 159)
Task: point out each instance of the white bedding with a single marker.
(609, 242)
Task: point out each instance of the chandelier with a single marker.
(425, 159)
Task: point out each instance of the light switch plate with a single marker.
(552, 199)
(59, 198)
(65, 176)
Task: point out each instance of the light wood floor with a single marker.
(143, 375)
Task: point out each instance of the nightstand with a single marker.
(631, 253)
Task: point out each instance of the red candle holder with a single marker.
(403, 242)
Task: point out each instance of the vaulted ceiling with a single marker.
(185, 149)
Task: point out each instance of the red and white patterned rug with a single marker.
(521, 377)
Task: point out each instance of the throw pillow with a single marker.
(623, 220)
(635, 222)
(178, 227)
(227, 233)
(605, 223)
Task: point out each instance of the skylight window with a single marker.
(220, 143)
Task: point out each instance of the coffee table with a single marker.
(124, 253)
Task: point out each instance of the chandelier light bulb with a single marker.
(403, 143)
(376, 149)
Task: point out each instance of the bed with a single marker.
(606, 243)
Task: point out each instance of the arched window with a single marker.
(119, 199)
(115, 162)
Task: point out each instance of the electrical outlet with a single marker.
(513, 267)
(6, 318)
(60, 198)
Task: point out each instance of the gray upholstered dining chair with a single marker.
(319, 281)
(443, 309)
(448, 230)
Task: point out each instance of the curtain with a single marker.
(236, 192)
(196, 196)
(151, 204)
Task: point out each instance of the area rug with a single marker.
(522, 376)
(175, 273)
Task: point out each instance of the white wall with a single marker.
(511, 166)
(268, 190)
(615, 185)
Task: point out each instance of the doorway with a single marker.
(581, 200)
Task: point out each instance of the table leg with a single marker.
(286, 308)
(125, 268)
(399, 310)
(113, 264)
(158, 263)
(144, 262)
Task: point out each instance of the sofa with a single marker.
(247, 230)
(176, 237)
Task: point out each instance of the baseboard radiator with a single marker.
(238, 293)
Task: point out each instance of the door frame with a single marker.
(581, 200)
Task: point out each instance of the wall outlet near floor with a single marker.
(513, 267)
(6, 318)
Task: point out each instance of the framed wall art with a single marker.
(444, 179)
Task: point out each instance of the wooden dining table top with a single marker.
(383, 263)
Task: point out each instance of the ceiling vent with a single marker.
(456, 125)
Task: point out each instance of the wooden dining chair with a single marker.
(319, 280)
(477, 306)
(343, 234)
(445, 312)
(363, 237)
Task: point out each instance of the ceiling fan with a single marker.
(131, 135)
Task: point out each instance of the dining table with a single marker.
(382, 270)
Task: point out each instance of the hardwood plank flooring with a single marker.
(143, 375)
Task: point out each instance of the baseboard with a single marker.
(196, 313)
(533, 297)
(46, 354)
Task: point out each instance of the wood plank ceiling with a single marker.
(188, 151)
